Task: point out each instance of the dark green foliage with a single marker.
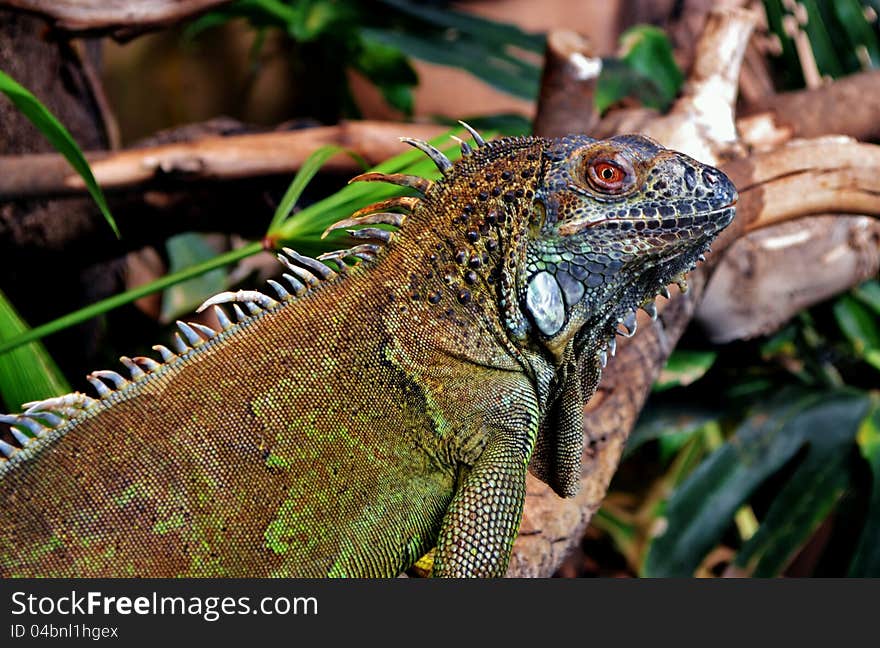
(842, 37)
(646, 71)
(27, 373)
(822, 425)
(375, 38)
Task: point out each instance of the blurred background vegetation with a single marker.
(757, 457)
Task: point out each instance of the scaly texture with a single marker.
(373, 409)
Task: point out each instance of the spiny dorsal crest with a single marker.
(30, 428)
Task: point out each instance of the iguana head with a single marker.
(614, 221)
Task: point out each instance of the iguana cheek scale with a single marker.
(387, 398)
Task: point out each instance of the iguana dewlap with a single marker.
(381, 403)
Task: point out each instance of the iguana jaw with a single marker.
(721, 215)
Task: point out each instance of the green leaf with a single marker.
(300, 181)
(618, 80)
(313, 19)
(383, 64)
(101, 307)
(811, 492)
(872, 357)
(673, 425)
(820, 41)
(702, 508)
(399, 96)
(58, 137)
(490, 31)
(858, 324)
(390, 70)
(28, 373)
(648, 51)
(184, 251)
(498, 68)
(646, 71)
(866, 559)
(869, 294)
(306, 227)
(851, 17)
(683, 368)
(790, 68)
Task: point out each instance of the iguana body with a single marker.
(385, 409)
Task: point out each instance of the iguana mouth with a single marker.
(567, 229)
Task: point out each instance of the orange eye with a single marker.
(606, 175)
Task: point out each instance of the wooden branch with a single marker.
(804, 177)
(122, 17)
(848, 106)
(701, 122)
(568, 84)
(768, 276)
(209, 158)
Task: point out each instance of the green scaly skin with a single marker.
(387, 408)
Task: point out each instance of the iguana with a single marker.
(389, 397)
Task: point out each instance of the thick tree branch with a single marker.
(811, 113)
(568, 84)
(768, 276)
(208, 158)
(118, 17)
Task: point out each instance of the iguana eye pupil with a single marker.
(608, 173)
(607, 176)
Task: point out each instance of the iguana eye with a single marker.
(608, 176)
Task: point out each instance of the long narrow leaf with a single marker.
(811, 492)
(306, 227)
(701, 510)
(305, 174)
(101, 307)
(499, 69)
(866, 559)
(851, 16)
(489, 30)
(28, 373)
(54, 131)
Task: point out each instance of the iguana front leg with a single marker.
(482, 522)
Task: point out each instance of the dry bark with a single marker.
(212, 158)
(849, 106)
(770, 275)
(122, 18)
(568, 84)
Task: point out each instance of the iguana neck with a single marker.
(471, 231)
